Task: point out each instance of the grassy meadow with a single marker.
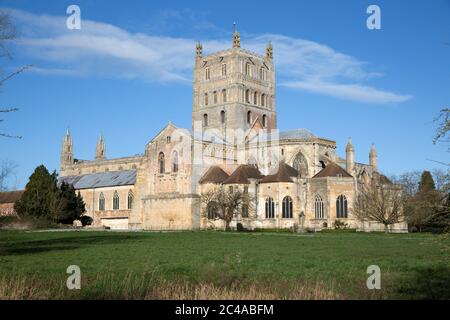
(221, 265)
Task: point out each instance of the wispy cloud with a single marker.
(106, 50)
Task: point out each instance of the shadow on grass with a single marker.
(431, 283)
(61, 243)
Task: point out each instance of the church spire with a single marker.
(350, 156)
(269, 51)
(236, 37)
(67, 150)
(100, 149)
(199, 50)
(373, 158)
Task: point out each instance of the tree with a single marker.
(226, 204)
(6, 171)
(443, 121)
(426, 183)
(408, 181)
(424, 204)
(43, 199)
(378, 202)
(39, 194)
(7, 33)
(66, 205)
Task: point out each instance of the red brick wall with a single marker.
(7, 209)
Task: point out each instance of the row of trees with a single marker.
(43, 198)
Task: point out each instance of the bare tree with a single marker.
(382, 203)
(7, 34)
(6, 171)
(409, 182)
(443, 121)
(225, 204)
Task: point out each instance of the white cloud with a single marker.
(104, 49)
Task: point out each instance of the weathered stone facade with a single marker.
(300, 181)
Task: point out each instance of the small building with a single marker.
(7, 200)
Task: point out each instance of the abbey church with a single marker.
(295, 177)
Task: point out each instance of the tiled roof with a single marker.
(333, 170)
(10, 196)
(100, 180)
(284, 174)
(242, 175)
(214, 174)
(296, 134)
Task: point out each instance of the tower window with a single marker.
(205, 120)
(224, 95)
(222, 117)
(175, 161)
(224, 70)
(248, 68)
(207, 74)
(161, 162)
(263, 100)
(255, 98)
(247, 95)
(168, 139)
(206, 99)
(249, 117)
(264, 121)
(215, 97)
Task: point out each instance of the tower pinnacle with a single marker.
(236, 37)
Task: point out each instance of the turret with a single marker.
(269, 51)
(373, 158)
(199, 50)
(67, 150)
(236, 37)
(100, 149)
(350, 156)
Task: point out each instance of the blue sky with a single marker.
(128, 71)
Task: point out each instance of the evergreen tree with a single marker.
(426, 183)
(39, 194)
(67, 206)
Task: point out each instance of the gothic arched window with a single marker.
(207, 74)
(341, 207)
(255, 98)
(175, 161)
(263, 100)
(301, 165)
(130, 200)
(287, 207)
(206, 99)
(101, 202)
(270, 208)
(212, 210)
(222, 117)
(249, 117)
(224, 95)
(264, 121)
(215, 97)
(205, 120)
(318, 207)
(116, 201)
(161, 162)
(247, 96)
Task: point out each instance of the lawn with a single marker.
(320, 265)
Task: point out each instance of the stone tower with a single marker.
(350, 156)
(233, 88)
(67, 151)
(100, 149)
(373, 158)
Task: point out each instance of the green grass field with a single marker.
(412, 265)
